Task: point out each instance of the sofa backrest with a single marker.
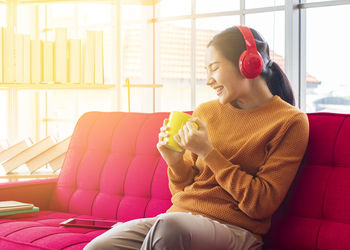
(316, 212)
(113, 169)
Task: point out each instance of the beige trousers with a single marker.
(177, 231)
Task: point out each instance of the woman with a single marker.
(237, 167)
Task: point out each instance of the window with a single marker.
(3, 118)
(207, 6)
(327, 63)
(206, 28)
(272, 30)
(166, 8)
(174, 65)
(252, 4)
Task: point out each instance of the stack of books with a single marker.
(16, 207)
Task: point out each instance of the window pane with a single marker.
(3, 15)
(137, 52)
(42, 113)
(173, 8)
(327, 63)
(272, 29)
(252, 4)
(207, 6)
(206, 29)
(313, 1)
(174, 65)
(3, 117)
(131, 13)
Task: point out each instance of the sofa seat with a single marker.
(42, 230)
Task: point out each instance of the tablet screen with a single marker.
(89, 223)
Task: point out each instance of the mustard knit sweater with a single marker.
(255, 159)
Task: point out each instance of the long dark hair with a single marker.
(231, 44)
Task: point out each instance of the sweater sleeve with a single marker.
(182, 174)
(260, 195)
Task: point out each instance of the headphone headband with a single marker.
(248, 37)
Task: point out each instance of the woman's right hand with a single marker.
(170, 156)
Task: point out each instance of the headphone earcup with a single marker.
(250, 64)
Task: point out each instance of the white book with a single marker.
(61, 66)
(9, 56)
(89, 57)
(99, 67)
(74, 61)
(36, 57)
(19, 58)
(57, 163)
(15, 149)
(48, 62)
(1, 54)
(26, 59)
(28, 154)
(48, 155)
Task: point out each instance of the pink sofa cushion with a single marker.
(42, 231)
(316, 213)
(113, 168)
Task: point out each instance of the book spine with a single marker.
(7, 209)
(26, 59)
(1, 55)
(89, 58)
(19, 58)
(48, 62)
(99, 67)
(34, 209)
(9, 56)
(36, 57)
(61, 67)
(74, 61)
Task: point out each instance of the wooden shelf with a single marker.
(16, 176)
(46, 86)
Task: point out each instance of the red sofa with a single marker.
(113, 171)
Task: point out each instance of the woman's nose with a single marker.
(210, 81)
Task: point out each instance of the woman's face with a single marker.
(223, 77)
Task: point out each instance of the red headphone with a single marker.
(250, 61)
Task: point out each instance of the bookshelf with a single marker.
(64, 47)
(67, 86)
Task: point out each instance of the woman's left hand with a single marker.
(194, 140)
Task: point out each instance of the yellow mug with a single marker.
(176, 121)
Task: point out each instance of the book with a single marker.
(36, 57)
(6, 206)
(57, 163)
(60, 57)
(19, 57)
(26, 59)
(48, 62)
(74, 48)
(15, 149)
(24, 211)
(28, 154)
(89, 57)
(1, 54)
(9, 56)
(99, 68)
(48, 155)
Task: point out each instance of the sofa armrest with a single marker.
(37, 192)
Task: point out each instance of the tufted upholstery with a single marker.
(113, 171)
(316, 212)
